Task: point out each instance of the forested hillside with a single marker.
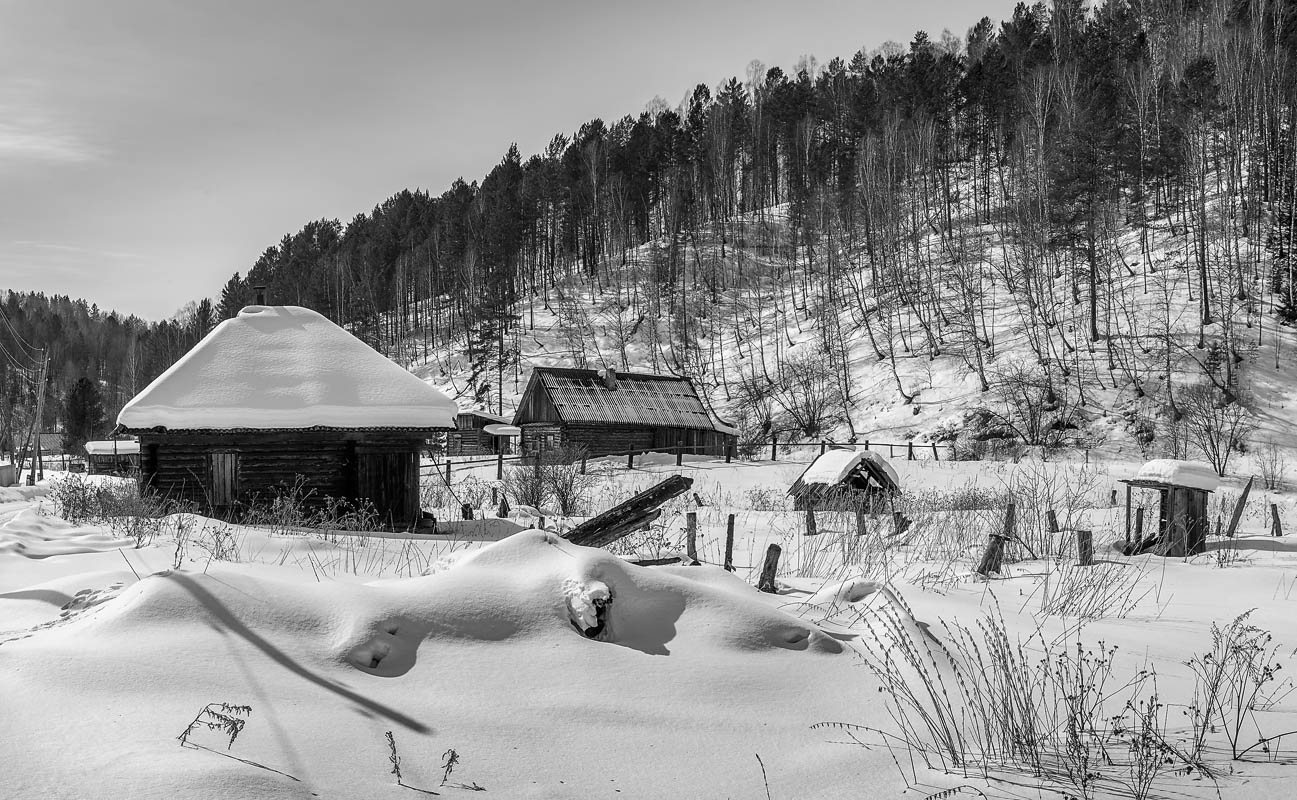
(110, 355)
(1107, 192)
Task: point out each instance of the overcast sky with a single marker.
(149, 150)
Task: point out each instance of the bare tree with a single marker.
(1216, 425)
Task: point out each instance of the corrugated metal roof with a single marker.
(640, 399)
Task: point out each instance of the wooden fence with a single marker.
(910, 451)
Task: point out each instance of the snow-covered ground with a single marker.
(696, 685)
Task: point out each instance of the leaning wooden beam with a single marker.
(629, 516)
(1238, 510)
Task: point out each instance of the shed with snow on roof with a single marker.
(112, 457)
(280, 398)
(471, 437)
(604, 411)
(845, 478)
(1182, 488)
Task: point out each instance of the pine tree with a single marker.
(83, 414)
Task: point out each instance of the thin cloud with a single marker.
(67, 248)
(28, 132)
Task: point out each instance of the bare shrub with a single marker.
(1217, 425)
(294, 509)
(979, 699)
(1273, 464)
(526, 485)
(808, 395)
(118, 505)
(1037, 411)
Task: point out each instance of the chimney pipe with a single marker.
(610, 378)
(261, 294)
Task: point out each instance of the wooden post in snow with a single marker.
(680, 455)
(466, 510)
(691, 536)
(583, 464)
(774, 447)
(993, 559)
(1113, 500)
(935, 457)
(499, 466)
(1139, 524)
(447, 470)
(1084, 548)
(1128, 513)
(812, 529)
(729, 453)
(1051, 521)
(729, 543)
(860, 520)
(630, 461)
(1238, 509)
(767, 581)
(909, 451)
(1276, 527)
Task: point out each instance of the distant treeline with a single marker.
(870, 184)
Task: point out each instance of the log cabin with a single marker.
(279, 398)
(605, 412)
(470, 437)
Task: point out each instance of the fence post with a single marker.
(447, 470)
(680, 456)
(729, 543)
(499, 466)
(774, 447)
(767, 581)
(583, 460)
(630, 461)
(691, 536)
(1085, 548)
(729, 452)
(909, 451)
(1275, 526)
(812, 529)
(824, 446)
(1139, 524)
(935, 457)
(467, 511)
(866, 444)
(860, 520)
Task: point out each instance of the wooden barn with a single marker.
(607, 412)
(1182, 488)
(115, 457)
(279, 397)
(843, 479)
(470, 437)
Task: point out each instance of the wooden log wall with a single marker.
(178, 466)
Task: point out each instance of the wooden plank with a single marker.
(631, 515)
(1238, 509)
(767, 581)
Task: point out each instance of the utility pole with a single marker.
(35, 428)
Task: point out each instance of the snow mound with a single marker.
(533, 584)
(851, 590)
(286, 367)
(34, 535)
(1179, 473)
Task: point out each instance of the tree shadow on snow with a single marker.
(226, 618)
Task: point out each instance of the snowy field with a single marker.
(469, 649)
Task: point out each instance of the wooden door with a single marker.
(223, 480)
(389, 480)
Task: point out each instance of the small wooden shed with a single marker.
(116, 456)
(845, 479)
(604, 412)
(470, 437)
(277, 398)
(1182, 524)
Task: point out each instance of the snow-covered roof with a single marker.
(124, 447)
(833, 466)
(1169, 472)
(276, 367)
